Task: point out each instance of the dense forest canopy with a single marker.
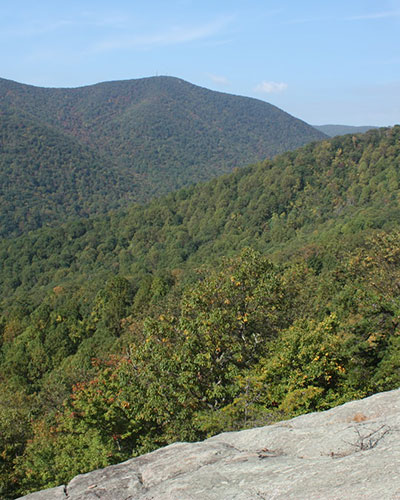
(46, 176)
(269, 292)
(74, 152)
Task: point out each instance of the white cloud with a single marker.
(307, 20)
(375, 15)
(35, 28)
(38, 27)
(173, 36)
(219, 79)
(271, 87)
(104, 20)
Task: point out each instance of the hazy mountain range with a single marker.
(333, 130)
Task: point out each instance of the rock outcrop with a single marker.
(349, 452)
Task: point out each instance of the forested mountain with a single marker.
(266, 293)
(341, 185)
(334, 130)
(88, 149)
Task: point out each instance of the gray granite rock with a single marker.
(348, 452)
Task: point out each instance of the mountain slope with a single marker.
(343, 186)
(155, 134)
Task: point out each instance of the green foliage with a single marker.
(51, 460)
(317, 358)
(388, 372)
(16, 411)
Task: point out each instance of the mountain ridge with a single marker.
(118, 93)
(152, 135)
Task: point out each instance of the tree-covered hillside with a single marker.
(135, 139)
(270, 292)
(327, 189)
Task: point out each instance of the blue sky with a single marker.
(322, 61)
